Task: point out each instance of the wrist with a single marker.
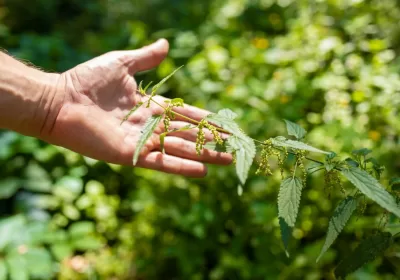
(29, 98)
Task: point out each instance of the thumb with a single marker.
(147, 57)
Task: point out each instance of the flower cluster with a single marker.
(201, 139)
(332, 179)
(267, 151)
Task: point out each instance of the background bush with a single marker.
(331, 65)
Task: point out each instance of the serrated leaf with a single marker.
(133, 110)
(160, 83)
(245, 151)
(147, 87)
(225, 119)
(239, 141)
(295, 130)
(369, 186)
(283, 142)
(227, 113)
(338, 221)
(222, 148)
(3, 269)
(147, 131)
(366, 251)
(286, 233)
(351, 162)
(361, 152)
(289, 199)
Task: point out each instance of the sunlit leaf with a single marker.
(295, 130)
(133, 110)
(147, 131)
(159, 84)
(289, 199)
(239, 141)
(338, 221)
(283, 142)
(245, 151)
(369, 186)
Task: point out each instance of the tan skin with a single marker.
(82, 109)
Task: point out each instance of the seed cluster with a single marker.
(167, 121)
(332, 179)
(300, 158)
(214, 132)
(201, 139)
(267, 151)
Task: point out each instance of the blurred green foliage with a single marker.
(329, 64)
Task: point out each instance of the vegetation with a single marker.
(329, 65)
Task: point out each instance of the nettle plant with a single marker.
(361, 170)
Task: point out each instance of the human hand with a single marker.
(95, 96)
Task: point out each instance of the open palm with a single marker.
(98, 94)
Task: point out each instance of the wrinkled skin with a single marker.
(94, 97)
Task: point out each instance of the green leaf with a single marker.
(338, 221)
(227, 113)
(39, 263)
(393, 182)
(286, 233)
(289, 199)
(82, 228)
(283, 142)
(17, 267)
(225, 119)
(239, 141)
(147, 131)
(177, 102)
(367, 251)
(295, 130)
(85, 243)
(8, 187)
(3, 269)
(331, 156)
(11, 230)
(222, 148)
(352, 162)
(38, 179)
(62, 251)
(133, 110)
(361, 152)
(147, 87)
(245, 151)
(159, 84)
(369, 186)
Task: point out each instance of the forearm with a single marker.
(27, 97)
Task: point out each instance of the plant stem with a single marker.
(221, 129)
